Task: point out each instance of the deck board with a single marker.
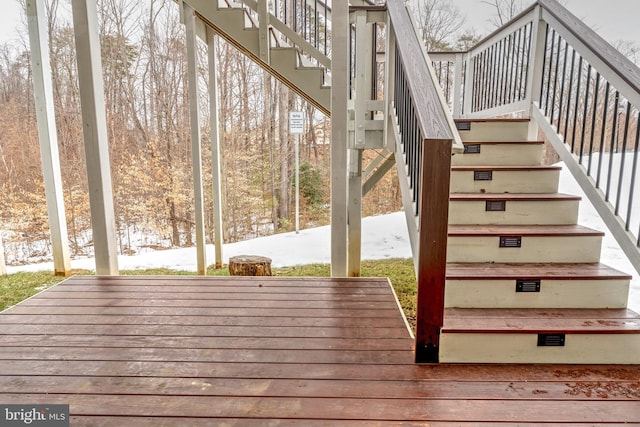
(167, 351)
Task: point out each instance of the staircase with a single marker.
(524, 282)
(272, 45)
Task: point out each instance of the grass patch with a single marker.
(20, 286)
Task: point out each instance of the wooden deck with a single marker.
(190, 351)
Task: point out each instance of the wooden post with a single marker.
(434, 218)
(196, 149)
(43, 94)
(216, 168)
(96, 144)
(339, 136)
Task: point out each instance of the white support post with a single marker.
(3, 265)
(196, 149)
(216, 168)
(457, 85)
(536, 68)
(96, 144)
(362, 94)
(339, 136)
(43, 94)
(263, 31)
(389, 78)
(468, 85)
(355, 213)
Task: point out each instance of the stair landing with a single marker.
(191, 351)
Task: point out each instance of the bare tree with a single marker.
(439, 21)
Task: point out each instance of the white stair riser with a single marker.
(523, 348)
(527, 181)
(553, 294)
(534, 249)
(502, 155)
(516, 213)
(496, 131)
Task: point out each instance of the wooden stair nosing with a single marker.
(521, 230)
(504, 168)
(518, 197)
(519, 142)
(492, 119)
(537, 321)
(542, 271)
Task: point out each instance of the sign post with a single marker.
(296, 127)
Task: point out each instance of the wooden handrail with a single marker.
(423, 154)
(610, 56)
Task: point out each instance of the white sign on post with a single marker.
(296, 122)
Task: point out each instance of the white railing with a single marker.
(582, 94)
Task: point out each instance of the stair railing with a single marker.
(583, 95)
(305, 24)
(419, 122)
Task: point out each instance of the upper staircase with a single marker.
(301, 65)
(524, 281)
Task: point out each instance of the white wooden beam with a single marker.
(196, 147)
(536, 67)
(216, 168)
(43, 94)
(94, 124)
(339, 136)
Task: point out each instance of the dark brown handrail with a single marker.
(424, 150)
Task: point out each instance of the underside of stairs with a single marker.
(524, 281)
(267, 45)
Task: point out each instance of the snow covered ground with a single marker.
(384, 236)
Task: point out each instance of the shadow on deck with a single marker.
(187, 351)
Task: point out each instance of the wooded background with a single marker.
(143, 56)
(144, 70)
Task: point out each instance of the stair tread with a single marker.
(522, 230)
(505, 168)
(560, 271)
(577, 321)
(513, 196)
(523, 142)
(504, 120)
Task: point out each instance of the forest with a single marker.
(145, 86)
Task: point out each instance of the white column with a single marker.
(196, 150)
(43, 94)
(536, 68)
(339, 157)
(216, 168)
(96, 145)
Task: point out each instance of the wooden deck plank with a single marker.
(83, 319)
(240, 387)
(207, 331)
(331, 313)
(197, 422)
(173, 351)
(108, 301)
(302, 370)
(450, 410)
(265, 343)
